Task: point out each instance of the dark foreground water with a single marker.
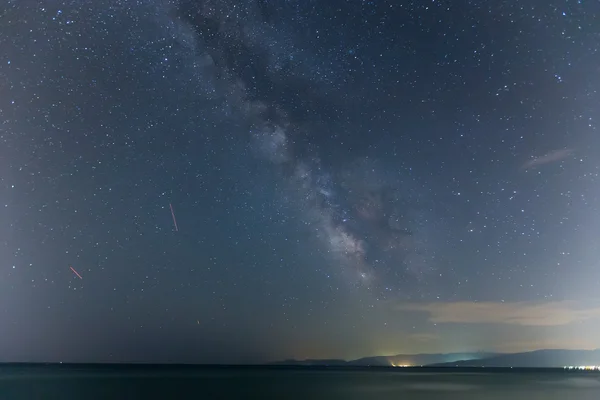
(66, 382)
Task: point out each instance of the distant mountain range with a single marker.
(531, 359)
(391, 361)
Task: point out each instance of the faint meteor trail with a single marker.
(76, 273)
(174, 220)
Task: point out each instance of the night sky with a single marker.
(245, 181)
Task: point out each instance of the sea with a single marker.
(185, 382)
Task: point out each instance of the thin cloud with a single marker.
(520, 313)
(550, 157)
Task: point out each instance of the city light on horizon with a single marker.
(583, 367)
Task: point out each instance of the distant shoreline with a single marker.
(267, 367)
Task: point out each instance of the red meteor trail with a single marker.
(174, 220)
(76, 273)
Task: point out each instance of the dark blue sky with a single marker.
(349, 178)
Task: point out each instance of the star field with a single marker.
(340, 172)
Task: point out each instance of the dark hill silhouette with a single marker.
(395, 360)
(533, 359)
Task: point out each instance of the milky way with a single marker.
(371, 224)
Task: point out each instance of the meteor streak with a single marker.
(174, 220)
(75, 272)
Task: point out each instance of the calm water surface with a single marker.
(231, 383)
